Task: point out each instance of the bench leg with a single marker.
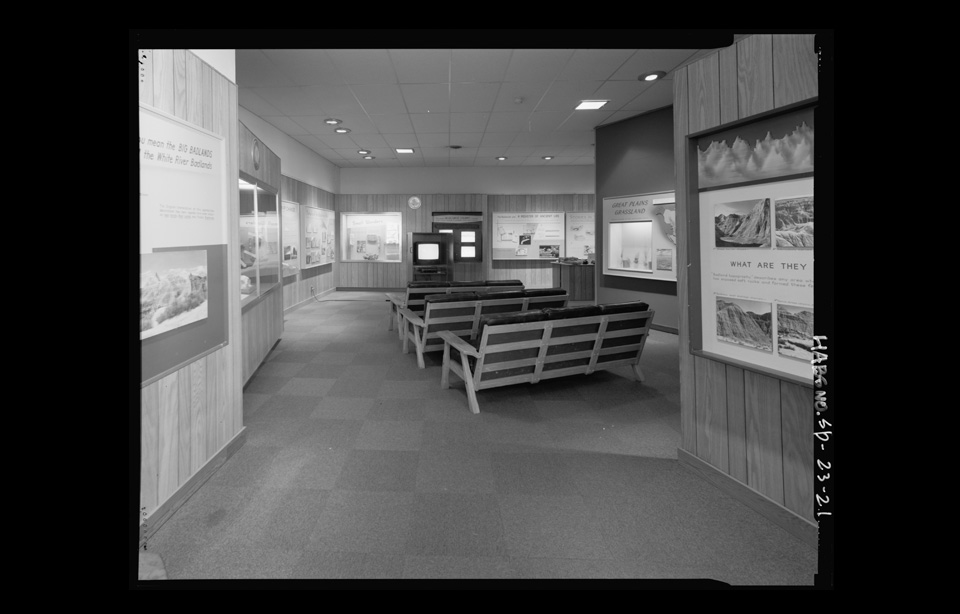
(468, 382)
(445, 372)
(637, 372)
(405, 337)
(399, 321)
(390, 318)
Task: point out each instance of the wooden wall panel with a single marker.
(703, 82)
(764, 447)
(755, 74)
(736, 424)
(685, 200)
(796, 403)
(262, 328)
(711, 395)
(794, 69)
(185, 415)
(729, 108)
(296, 288)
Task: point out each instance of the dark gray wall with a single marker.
(635, 156)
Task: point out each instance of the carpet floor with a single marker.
(357, 465)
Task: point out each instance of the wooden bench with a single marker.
(535, 345)
(460, 313)
(412, 299)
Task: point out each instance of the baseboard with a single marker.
(287, 310)
(799, 527)
(345, 289)
(666, 329)
(163, 513)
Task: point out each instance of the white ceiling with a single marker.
(429, 99)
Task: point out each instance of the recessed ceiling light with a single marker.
(501, 157)
(332, 122)
(362, 152)
(586, 105)
(369, 157)
(652, 76)
(342, 130)
(548, 157)
(404, 150)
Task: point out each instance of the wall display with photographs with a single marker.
(318, 236)
(580, 235)
(757, 274)
(183, 243)
(260, 249)
(371, 237)
(756, 242)
(290, 233)
(639, 236)
(532, 235)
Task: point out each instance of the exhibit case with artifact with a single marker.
(371, 237)
(259, 239)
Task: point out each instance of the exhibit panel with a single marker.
(318, 236)
(639, 236)
(290, 232)
(371, 237)
(259, 240)
(314, 280)
(535, 235)
(580, 235)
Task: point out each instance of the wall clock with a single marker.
(413, 202)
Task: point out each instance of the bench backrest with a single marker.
(461, 312)
(551, 342)
(417, 291)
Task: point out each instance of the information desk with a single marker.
(576, 279)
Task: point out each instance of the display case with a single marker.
(371, 237)
(259, 239)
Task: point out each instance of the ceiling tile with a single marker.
(421, 98)
(466, 152)
(433, 152)
(430, 122)
(387, 162)
(421, 65)
(530, 92)
(544, 121)
(337, 141)
(253, 102)
(649, 60)
(594, 64)
(619, 93)
(334, 99)
(468, 122)
(530, 65)
(531, 139)
(291, 100)
(315, 144)
(517, 152)
(566, 95)
(490, 152)
(461, 161)
(473, 97)
(356, 122)
(480, 65)
(498, 139)
(485, 161)
(305, 66)
(254, 69)
(314, 124)
(380, 98)
(285, 124)
(435, 162)
(507, 122)
(363, 65)
(568, 138)
(411, 161)
(392, 124)
(430, 139)
(466, 139)
(370, 141)
(584, 120)
(401, 140)
(660, 94)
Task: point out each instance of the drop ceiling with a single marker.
(517, 103)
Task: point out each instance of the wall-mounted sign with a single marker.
(639, 236)
(532, 235)
(317, 238)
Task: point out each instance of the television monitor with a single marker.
(428, 252)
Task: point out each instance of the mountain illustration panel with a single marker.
(795, 332)
(742, 224)
(794, 225)
(173, 290)
(746, 323)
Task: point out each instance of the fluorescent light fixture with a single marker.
(501, 157)
(404, 150)
(363, 152)
(342, 130)
(652, 76)
(332, 122)
(586, 105)
(448, 231)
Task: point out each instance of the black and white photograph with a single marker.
(173, 290)
(745, 322)
(549, 251)
(525, 239)
(794, 222)
(795, 331)
(743, 224)
(664, 259)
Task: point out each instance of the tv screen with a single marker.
(468, 251)
(428, 253)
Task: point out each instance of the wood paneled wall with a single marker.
(263, 320)
(390, 275)
(191, 414)
(755, 428)
(296, 288)
(533, 274)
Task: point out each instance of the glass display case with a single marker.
(259, 240)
